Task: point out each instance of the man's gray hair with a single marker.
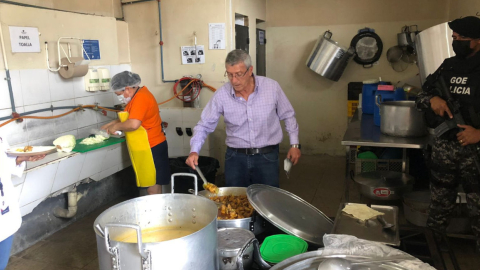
(236, 56)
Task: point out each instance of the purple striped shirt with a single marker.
(249, 124)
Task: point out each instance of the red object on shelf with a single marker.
(386, 87)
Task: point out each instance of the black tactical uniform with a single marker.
(449, 163)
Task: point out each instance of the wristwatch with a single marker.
(299, 146)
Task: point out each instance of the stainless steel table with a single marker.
(362, 131)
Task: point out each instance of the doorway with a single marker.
(261, 48)
(242, 40)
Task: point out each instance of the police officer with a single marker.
(449, 164)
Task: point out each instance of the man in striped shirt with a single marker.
(253, 107)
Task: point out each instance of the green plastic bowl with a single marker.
(277, 248)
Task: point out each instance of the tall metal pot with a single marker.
(328, 58)
(197, 250)
(255, 223)
(401, 119)
(433, 45)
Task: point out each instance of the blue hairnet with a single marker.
(124, 79)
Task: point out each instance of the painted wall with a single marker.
(463, 8)
(107, 8)
(321, 104)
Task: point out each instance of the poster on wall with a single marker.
(24, 39)
(216, 36)
(193, 54)
(92, 49)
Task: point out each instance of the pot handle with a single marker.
(256, 255)
(378, 100)
(327, 33)
(145, 254)
(186, 174)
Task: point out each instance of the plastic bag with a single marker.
(341, 244)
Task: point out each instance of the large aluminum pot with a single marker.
(401, 119)
(255, 223)
(433, 45)
(328, 58)
(197, 250)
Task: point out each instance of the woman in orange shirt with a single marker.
(143, 111)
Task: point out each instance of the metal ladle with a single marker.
(205, 182)
(384, 223)
(199, 194)
(344, 264)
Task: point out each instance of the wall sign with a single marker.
(216, 36)
(193, 54)
(92, 48)
(24, 39)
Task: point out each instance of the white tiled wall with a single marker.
(183, 118)
(39, 89)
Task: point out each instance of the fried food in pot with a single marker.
(233, 207)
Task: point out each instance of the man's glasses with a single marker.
(236, 75)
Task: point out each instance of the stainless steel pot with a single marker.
(234, 244)
(433, 45)
(401, 119)
(197, 250)
(384, 185)
(255, 223)
(328, 58)
(407, 36)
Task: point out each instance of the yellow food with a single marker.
(155, 234)
(233, 207)
(25, 149)
(211, 188)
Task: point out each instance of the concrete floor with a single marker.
(317, 179)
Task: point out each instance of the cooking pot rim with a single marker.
(399, 103)
(106, 211)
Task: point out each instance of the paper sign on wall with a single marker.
(216, 36)
(92, 48)
(193, 54)
(24, 39)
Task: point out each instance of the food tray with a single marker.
(36, 151)
(371, 229)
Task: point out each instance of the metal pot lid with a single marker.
(289, 213)
(384, 179)
(233, 239)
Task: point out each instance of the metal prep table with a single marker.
(361, 131)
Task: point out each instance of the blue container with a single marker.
(368, 96)
(398, 94)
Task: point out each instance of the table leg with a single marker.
(347, 175)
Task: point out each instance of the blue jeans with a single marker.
(242, 170)
(5, 247)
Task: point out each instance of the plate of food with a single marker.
(27, 151)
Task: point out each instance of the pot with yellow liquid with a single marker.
(166, 231)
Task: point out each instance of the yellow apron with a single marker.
(140, 154)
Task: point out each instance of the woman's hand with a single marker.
(19, 160)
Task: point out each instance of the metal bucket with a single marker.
(401, 119)
(197, 250)
(255, 223)
(433, 45)
(328, 58)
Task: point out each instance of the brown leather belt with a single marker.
(254, 151)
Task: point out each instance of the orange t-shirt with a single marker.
(144, 107)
